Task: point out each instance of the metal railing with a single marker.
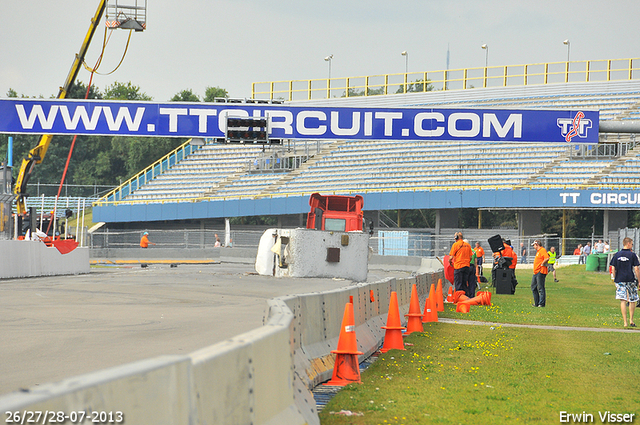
(452, 79)
(608, 150)
(153, 170)
(397, 242)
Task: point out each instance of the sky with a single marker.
(194, 44)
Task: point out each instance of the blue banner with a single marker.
(113, 118)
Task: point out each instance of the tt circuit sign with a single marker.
(601, 199)
(39, 116)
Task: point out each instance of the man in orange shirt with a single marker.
(509, 252)
(460, 258)
(539, 275)
(144, 241)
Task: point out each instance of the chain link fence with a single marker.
(404, 242)
(176, 239)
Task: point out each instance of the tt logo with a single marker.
(577, 126)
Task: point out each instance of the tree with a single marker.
(211, 93)
(185, 96)
(375, 92)
(125, 91)
(417, 86)
(79, 90)
(353, 93)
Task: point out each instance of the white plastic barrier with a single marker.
(260, 377)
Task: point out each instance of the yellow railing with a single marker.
(144, 176)
(452, 79)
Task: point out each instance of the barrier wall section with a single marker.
(264, 376)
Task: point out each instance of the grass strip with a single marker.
(492, 375)
(457, 374)
(581, 298)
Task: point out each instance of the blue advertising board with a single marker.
(114, 118)
(491, 199)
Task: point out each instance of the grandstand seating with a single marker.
(224, 171)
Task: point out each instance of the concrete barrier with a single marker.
(262, 377)
(34, 258)
(154, 391)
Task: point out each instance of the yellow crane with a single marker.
(122, 19)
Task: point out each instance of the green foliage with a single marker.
(185, 96)
(125, 91)
(11, 93)
(375, 92)
(353, 93)
(417, 86)
(211, 93)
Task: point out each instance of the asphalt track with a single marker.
(52, 328)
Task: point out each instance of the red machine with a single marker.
(335, 213)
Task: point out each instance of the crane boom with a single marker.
(37, 154)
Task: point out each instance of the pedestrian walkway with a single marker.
(517, 325)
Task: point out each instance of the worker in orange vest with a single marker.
(144, 242)
(460, 258)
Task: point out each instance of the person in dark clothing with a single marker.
(625, 272)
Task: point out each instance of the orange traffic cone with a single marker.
(463, 307)
(450, 294)
(346, 369)
(480, 299)
(487, 297)
(459, 296)
(393, 333)
(439, 297)
(430, 313)
(414, 321)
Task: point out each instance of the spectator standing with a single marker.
(581, 259)
(460, 258)
(587, 249)
(539, 275)
(578, 250)
(144, 241)
(509, 252)
(626, 274)
(479, 258)
(473, 278)
(552, 262)
(599, 247)
(523, 253)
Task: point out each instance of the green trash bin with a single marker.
(592, 263)
(602, 262)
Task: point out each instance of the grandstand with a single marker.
(219, 172)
